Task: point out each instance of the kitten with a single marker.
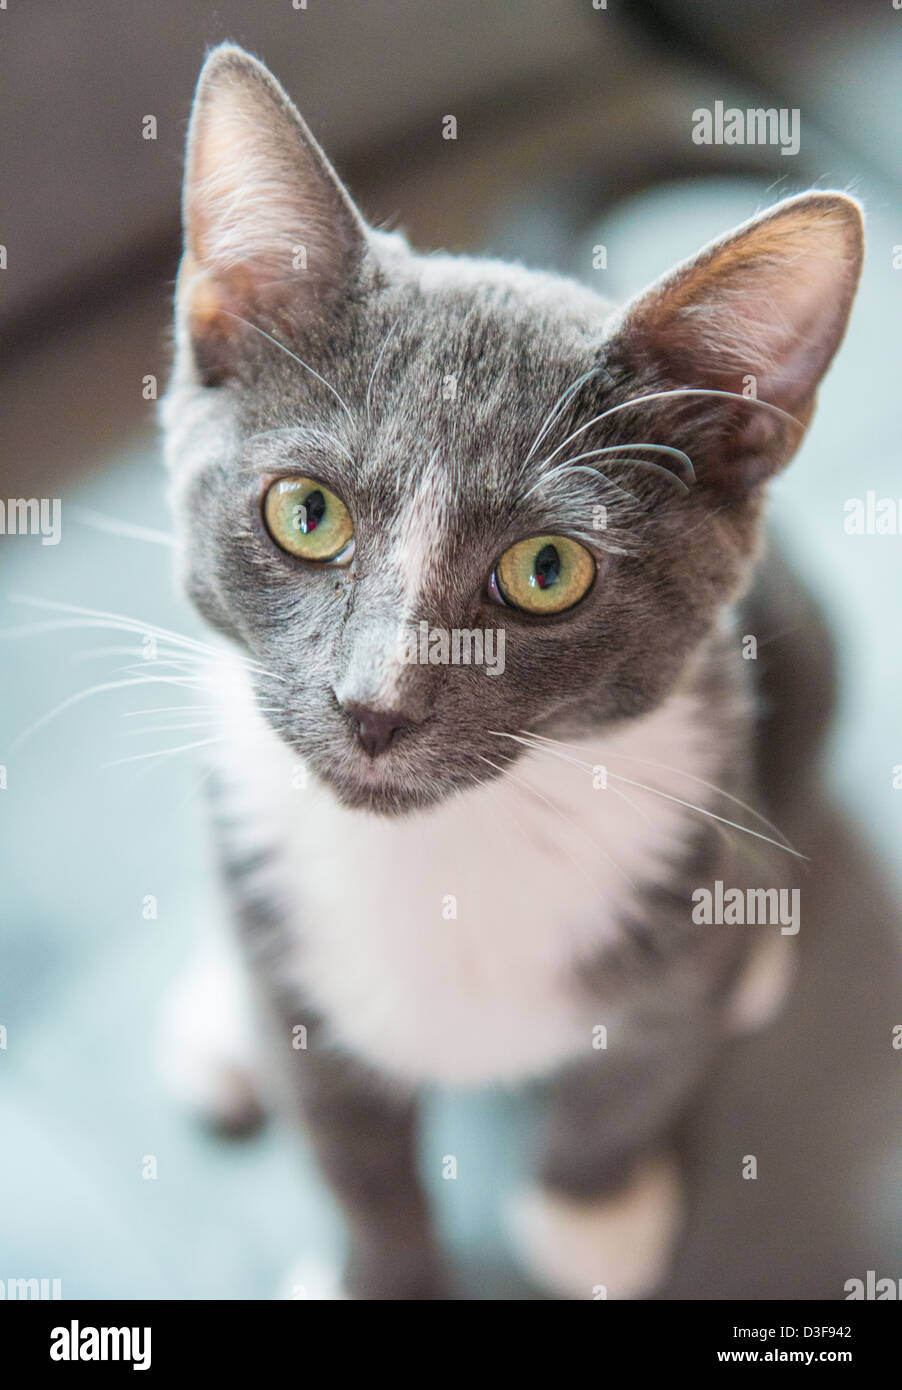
(441, 873)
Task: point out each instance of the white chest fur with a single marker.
(441, 946)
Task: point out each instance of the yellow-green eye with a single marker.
(545, 574)
(306, 519)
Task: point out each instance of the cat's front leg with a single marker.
(207, 1049)
(363, 1133)
(361, 1127)
(606, 1213)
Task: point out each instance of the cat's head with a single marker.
(370, 447)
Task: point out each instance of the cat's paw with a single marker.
(314, 1279)
(618, 1246)
(762, 988)
(205, 1048)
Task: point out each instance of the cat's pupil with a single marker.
(547, 566)
(315, 509)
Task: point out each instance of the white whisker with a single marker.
(369, 385)
(304, 431)
(756, 834)
(161, 657)
(126, 529)
(97, 690)
(581, 829)
(568, 465)
(663, 395)
(116, 622)
(656, 791)
(160, 662)
(190, 709)
(294, 357)
(574, 762)
(166, 709)
(169, 728)
(113, 620)
(692, 777)
(164, 752)
(559, 406)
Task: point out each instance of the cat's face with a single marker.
(374, 452)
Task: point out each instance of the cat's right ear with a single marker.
(271, 237)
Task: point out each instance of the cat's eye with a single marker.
(306, 519)
(545, 574)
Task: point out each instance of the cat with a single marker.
(444, 875)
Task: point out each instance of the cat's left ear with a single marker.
(759, 313)
(271, 236)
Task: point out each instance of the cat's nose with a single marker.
(376, 728)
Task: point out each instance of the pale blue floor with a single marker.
(82, 974)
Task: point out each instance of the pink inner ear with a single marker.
(757, 317)
(247, 208)
(269, 230)
(769, 303)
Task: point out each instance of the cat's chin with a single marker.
(383, 799)
(385, 795)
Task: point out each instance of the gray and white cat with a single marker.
(442, 873)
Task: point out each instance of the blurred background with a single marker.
(574, 131)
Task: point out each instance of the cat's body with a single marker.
(442, 875)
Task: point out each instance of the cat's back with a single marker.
(796, 681)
